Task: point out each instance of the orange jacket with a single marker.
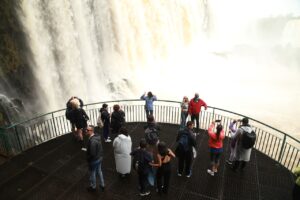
(213, 141)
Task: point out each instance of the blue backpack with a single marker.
(184, 142)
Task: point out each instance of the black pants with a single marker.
(239, 163)
(296, 192)
(185, 158)
(143, 181)
(195, 117)
(163, 177)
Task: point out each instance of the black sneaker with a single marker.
(102, 188)
(90, 189)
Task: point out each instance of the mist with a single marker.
(240, 56)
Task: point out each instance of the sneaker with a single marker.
(108, 140)
(144, 193)
(83, 149)
(189, 175)
(179, 174)
(210, 172)
(90, 189)
(229, 162)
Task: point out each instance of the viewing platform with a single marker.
(49, 164)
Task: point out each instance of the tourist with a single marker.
(184, 111)
(122, 148)
(296, 189)
(117, 119)
(149, 103)
(195, 108)
(142, 161)
(94, 158)
(232, 141)
(164, 167)
(70, 104)
(105, 118)
(215, 143)
(242, 154)
(184, 150)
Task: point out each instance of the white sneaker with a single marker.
(83, 149)
(210, 172)
(108, 140)
(145, 193)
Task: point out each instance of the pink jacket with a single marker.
(213, 141)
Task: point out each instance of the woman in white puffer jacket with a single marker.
(122, 148)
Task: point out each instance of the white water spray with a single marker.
(107, 49)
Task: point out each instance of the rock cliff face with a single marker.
(16, 79)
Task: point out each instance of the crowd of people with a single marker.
(152, 159)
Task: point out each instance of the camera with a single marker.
(218, 120)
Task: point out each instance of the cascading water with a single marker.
(109, 49)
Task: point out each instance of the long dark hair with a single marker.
(219, 129)
(162, 148)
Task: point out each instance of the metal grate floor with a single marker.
(58, 170)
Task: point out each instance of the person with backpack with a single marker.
(142, 163)
(195, 108)
(152, 139)
(105, 118)
(184, 151)
(215, 144)
(245, 137)
(149, 102)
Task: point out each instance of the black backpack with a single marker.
(248, 139)
(151, 135)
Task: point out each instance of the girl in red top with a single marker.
(215, 143)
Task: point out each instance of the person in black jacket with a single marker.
(117, 119)
(94, 158)
(184, 151)
(105, 117)
(70, 105)
(145, 161)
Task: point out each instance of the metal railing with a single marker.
(19, 137)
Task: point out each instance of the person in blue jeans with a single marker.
(149, 103)
(94, 158)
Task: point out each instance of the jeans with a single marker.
(95, 169)
(149, 112)
(183, 119)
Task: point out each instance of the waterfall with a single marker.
(111, 49)
(82, 47)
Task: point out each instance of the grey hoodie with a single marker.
(94, 149)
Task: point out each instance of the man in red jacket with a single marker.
(194, 109)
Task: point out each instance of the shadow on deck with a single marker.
(58, 170)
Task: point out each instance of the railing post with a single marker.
(55, 129)
(281, 150)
